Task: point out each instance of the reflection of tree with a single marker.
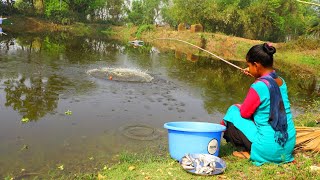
(45, 69)
(6, 43)
(86, 49)
(302, 84)
(139, 55)
(34, 97)
(221, 85)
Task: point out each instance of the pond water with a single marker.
(82, 122)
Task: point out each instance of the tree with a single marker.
(190, 11)
(115, 10)
(144, 11)
(83, 7)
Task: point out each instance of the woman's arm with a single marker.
(250, 104)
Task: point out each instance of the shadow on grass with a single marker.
(226, 149)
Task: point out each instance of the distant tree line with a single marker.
(276, 20)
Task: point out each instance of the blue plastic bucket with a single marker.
(193, 138)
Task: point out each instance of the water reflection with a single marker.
(189, 56)
(33, 72)
(220, 85)
(223, 85)
(303, 85)
(35, 96)
(1, 32)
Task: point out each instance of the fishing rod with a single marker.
(204, 51)
(311, 3)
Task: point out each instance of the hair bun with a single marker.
(269, 49)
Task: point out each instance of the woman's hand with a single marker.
(246, 72)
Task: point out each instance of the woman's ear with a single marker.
(258, 65)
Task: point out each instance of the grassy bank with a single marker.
(304, 52)
(154, 166)
(32, 25)
(137, 166)
(150, 165)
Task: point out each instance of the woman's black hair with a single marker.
(262, 53)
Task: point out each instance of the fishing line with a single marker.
(204, 51)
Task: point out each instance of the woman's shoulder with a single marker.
(263, 83)
(259, 84)
(261, 88)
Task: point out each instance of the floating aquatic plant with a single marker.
(25, 120)
(24, 147)
(68, 112)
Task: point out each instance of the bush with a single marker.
(61, 17)
(305, 43)
(24, 7)
(108, 32)
(143, 28)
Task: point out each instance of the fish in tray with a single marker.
(202, 164)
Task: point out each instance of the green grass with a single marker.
(311, 116)
(303, 52)
(150, 166)
(300, 58)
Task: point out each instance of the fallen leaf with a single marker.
(101, 177)
(314, 168)
(222, 177)
(61, 167)
(131, 168)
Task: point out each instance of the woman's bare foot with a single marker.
(241, 154)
